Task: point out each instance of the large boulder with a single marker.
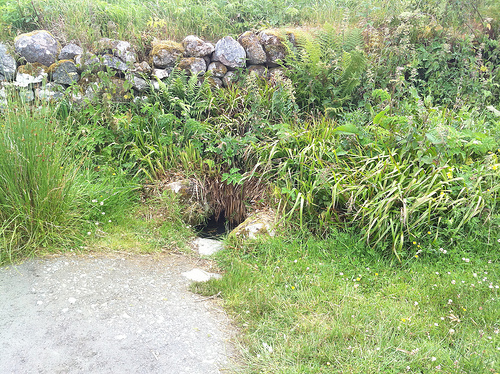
(229, 52)
(70, 51)
(64, 72)
(166, 53)
(273, 46)
(118, 48)
(255, 52)
(38, 46)
(193, 65)
(8, 65)
(195, 47)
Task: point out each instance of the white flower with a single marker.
(453, 281)
(452, 331)
(101, 203)
(433, 358)
(88, 233)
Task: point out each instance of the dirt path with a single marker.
(109, 314)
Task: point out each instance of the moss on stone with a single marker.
(168, 45)
(56, 64)
(33, 69)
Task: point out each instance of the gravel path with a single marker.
(113, 313)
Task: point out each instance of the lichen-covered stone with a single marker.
(64, 72)
(38, 46)
(195, 47)
(229, 52)
(31, 74)
(118, 48)
(215, 82)
(259, 70)
(8, 65)
(255, 52)
(142, 67)
(193, 65)
(87, 61)
(273, 46)
(166, 53)
(217, 69)
(138, 83)
(260, 223)
(70, 51)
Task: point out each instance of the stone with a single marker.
(259, 70)
(38, 46)
(70, 51)
(229, 78)
(215, 82)
(166, 53)
(193, 65)
(230, 53)
(196, 47)
(86, 61)
(198, 275)
(64, 72)
(30, 74)
(161, 73)
(142, 67)
(8, 65)
(114, 63)
(138, 83)
(217, 69)
(259, 223)
(255, 52)
(50, 91)
(273, 46)
(118, 48)
(207, 247)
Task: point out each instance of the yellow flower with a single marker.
(376, 273)
(428, 232)
(358, 279)
(494, 167)
(414, 242)
(416, 256)
(403, 319)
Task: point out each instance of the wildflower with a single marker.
(450, 301)
(436, 324)
(376, 273)
(358, 279)
(88, 233)
(416, 256)
(433, 359)
(452, 331)
(453, 281)
(101, 203)
(415, 303)
(428, 232)
(403, 319)
(414, 243)
(341, 273)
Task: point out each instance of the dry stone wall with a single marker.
(39, 66)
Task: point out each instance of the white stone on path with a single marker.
(199, 275)
(207, 247)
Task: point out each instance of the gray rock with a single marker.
(229, 78)
(198, 275)
(70, 51)
(215, 82)
(193, 65)
(230, 53)
(64, 72)
(114, 63)
(218, 69)
(142, 67)
(274, 48)
(87, 61)
(51, 91)
(166, 53)
(138, 83)
(161, 73)
(118, 48)
(195, 47)
(259, 223)
(25, 79)
(8, 65)
(255, 52)
(259, 70)
(207, 247)
(38, 46)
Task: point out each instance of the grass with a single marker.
(328, 306)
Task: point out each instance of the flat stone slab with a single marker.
(199, 275)
(207, 247)
(109, 314)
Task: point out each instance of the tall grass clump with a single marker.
(38, 187)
